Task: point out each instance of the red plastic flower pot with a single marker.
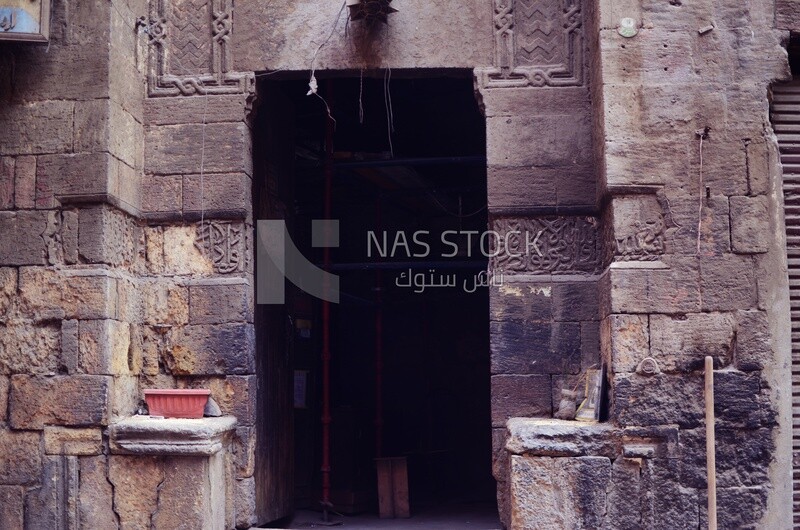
(177, 403)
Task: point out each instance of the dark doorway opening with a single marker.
(409, 368)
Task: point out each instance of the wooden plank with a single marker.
(385, 487)
(400, 488)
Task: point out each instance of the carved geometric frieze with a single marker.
(224, 243)
(538, 43)
(190, 49)
(547, 245)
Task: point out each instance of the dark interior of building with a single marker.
(404, 162)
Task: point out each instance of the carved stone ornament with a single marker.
(546, 245)
(640, 228)
(538, 43)
(648, 366)
(224, 243)
(190, 51)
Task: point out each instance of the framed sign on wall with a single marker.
(25, 20)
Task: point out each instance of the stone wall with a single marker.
(694, 255)
(111, 284)
(126, 245)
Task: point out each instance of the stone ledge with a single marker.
(552, 437)
(146, 435)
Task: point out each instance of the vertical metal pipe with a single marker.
(326, 313)
(378, 349)
(711, 457)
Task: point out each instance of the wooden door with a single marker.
(273, 157)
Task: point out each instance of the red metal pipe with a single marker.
(326, 315)
(378, 351)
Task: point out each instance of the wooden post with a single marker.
(711, 458)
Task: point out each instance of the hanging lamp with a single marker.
(370, 10)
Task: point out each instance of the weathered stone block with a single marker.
(501, 470)
(107, 236)
(128, 186)
(681, 343)
(4, 386)
(521, 302)
(562, 438)
(172, 149)
(787, 15)
(672, 505)
(245, 502)
(11, 507)
(8, 290)
(628, 336)
(641, 161)
(520, 396)
(743, 457)
(534, 348)
(21, 458)
(226, 195)
(655, 57)
(37, 127)
(75, 67)
(657, 400)
(90, 175)
(244, 451)
(6, 183)
(69, 236)
(47, 294)
(750, 233)
(509, 101)
(74, 400)
(77, 442)
(70, 348)
(154, 249)
(728, 283)
(165, 304)
(753, 349)
(162, 193)
(55, 503)
(208, 109)
(136, 481)
(21, 241)
(575, 301)
(531, 140)
(96, 504)
(624, 494)
(655, 290)
(729, 507)
(131, 303)
(125, 136)
(124, 397)
(28, 348)
(194, 489)
(25, 182)
(212, 349)
(104, 347)
(550, 493)
(523, 187)
(758, 165)
(220, 303)
(91, 126)
(741, 399)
